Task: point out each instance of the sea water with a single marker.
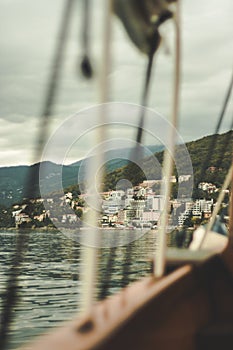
(49, 281)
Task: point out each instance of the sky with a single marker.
(28, 31)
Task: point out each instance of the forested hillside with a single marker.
(211, 157)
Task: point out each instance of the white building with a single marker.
(139, 206)
(155, 203)
(126, 215)
(184, 178)
(207, 186)
(151, 216)
(71, 218)
(113, 203)
(199, 207)
(20, 217)
(116, 195)
(129, 196)
(150, 183)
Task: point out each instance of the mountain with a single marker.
(14, 179)
(119, 157)
(211, 157)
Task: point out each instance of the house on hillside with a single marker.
(20, 218)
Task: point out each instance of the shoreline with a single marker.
(39, 229)
(54, 229)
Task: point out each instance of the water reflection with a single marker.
(49, 286)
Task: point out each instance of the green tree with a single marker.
(79, 213)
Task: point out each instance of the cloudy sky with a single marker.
(28, 31)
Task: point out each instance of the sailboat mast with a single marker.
(90, 256)
(159, 260)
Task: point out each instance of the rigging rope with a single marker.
(104, 288)
(218, 164)
(127, 264)
(86, 66)
(145, 96)
(137, 151)
(214, 138)
(11, 296)
(217, 206)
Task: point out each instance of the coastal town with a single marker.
(128, 198)
(136, 207)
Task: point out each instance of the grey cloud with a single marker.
(27, 39)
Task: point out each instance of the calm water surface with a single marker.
(49, 285)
